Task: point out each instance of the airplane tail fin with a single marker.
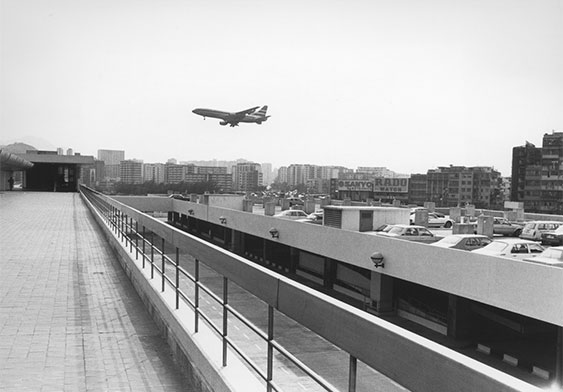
(262, 112)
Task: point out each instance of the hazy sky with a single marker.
(405, 84)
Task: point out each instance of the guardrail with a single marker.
(410, 360)
(143, 243)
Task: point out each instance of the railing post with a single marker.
(352, 374)
(129, 236)
(177, 278)
(225, 318)
(144, 239)
(163, 265)
(152, 255)
(270, 369)
(136, 240)
(196, 299)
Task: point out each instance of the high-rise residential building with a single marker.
(111, 159)
(282, 175)
(526, 174)
(247, 177)
(131, 171)
(537, 175)
(153, 172)
(267, 173)
(459, 185)
(552, 173)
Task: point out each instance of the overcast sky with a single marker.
(406, 84)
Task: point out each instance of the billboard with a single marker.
(376, 185)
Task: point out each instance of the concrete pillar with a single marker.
(430, 206)
(266, 200)
(193, 197)
(470, 210)
(396, 203)
(485, 225)
(381, 292)
(247, 205)
(455, 214)
(309, 206)
(459, 317)
(421, 218)
(270, 208)
(284, 204)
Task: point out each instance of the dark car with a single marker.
(554, 238)
(504, 227)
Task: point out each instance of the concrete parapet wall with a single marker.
(192, 359)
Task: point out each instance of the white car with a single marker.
(291, 214)
(533, 230)
(436, 219)
(512, 248)
(551, 256)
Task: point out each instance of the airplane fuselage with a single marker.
(246, 116)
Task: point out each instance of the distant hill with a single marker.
(17, 148)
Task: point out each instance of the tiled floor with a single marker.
(69, 318)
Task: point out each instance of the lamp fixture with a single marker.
(190, 211)
(274, 232)
(223, 220)
(377, 260)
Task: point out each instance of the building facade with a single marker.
(153, 172)
(537, 175)
(131, 171)
(247, 177)
(111, 159)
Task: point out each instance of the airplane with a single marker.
(233, 119)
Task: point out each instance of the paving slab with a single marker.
(69, 318)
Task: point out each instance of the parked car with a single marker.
(511, 248)
(533, 230)
(463, 241)
(551, 256)
(436, 219)
(291, 214)
(408, 232)
(553, 238)
(316, 216)
(295, 201)
(504, 227)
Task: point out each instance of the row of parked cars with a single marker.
(517, 248)
(548, 232)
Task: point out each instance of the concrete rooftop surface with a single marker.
(70, 319)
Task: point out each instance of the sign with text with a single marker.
(377, 185)
(395, 185)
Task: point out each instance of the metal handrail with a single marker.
(126, 228)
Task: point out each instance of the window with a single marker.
(535, 248)
(519, 248)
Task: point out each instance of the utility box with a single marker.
(485, 225)
(270, 208)
(455, 214)
(309, 206)
(247, 205)
(421, 218)
(430, 206)
(463, 228)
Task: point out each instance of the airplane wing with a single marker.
(247, 111)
